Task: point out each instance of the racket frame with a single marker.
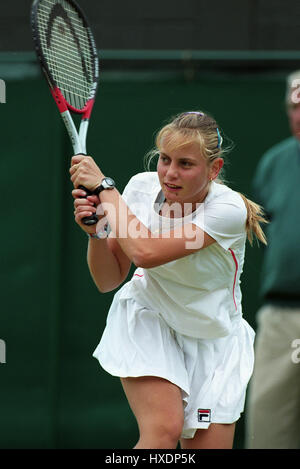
(78, 139)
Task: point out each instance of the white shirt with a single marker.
(198, 295)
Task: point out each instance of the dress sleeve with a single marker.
(127, 190)
(224, 220)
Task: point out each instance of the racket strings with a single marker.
(66, 7)
(74, 73)
(67, 49)
(79, 35)
(61, 54)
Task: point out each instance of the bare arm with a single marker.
(143, 249)
(108, 264)
(139, 244)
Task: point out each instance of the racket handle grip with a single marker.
(93, 219)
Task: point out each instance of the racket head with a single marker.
(67, 52)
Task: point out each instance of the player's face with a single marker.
(294, 118)
(185, 174)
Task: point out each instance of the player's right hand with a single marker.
(85, 207)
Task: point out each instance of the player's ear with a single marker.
(216, 167)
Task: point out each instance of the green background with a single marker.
(53, 393)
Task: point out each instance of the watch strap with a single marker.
(101, 187)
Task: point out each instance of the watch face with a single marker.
(107, 183)
(110, 182)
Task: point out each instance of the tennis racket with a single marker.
(67, 53)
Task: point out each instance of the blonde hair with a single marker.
(199, 127)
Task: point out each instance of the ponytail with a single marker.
(255, 216)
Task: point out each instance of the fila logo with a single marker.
(204, 415)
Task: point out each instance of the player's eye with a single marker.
(186, 164)
(164, 158)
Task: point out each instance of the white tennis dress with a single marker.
(182, 321)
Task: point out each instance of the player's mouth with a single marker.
(172, 187)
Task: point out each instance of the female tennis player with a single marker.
(175, 333)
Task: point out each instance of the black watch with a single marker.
(106, 183)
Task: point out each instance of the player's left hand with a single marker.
(85, 172)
